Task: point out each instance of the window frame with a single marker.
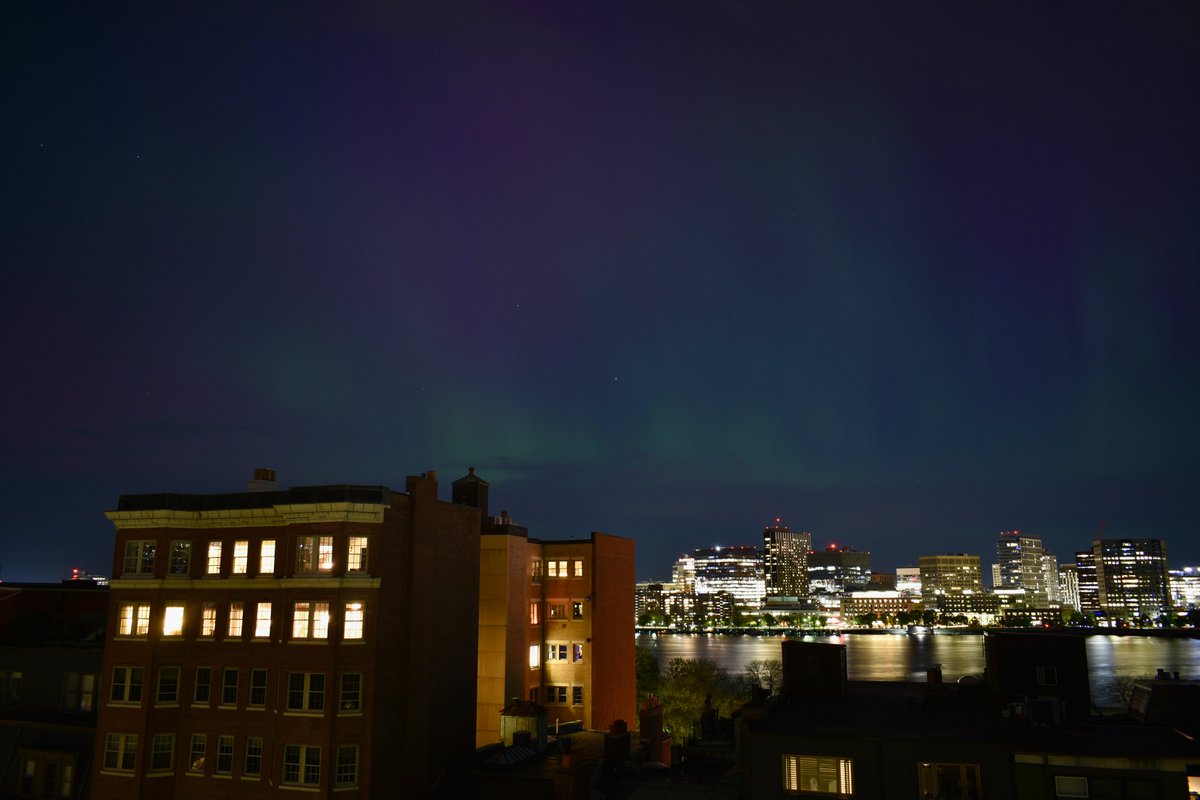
(208, 620)
(162, 745)
(174, 566)
(124, 754)
(929, 776)
(235, 626)
(227, 687)
(260, 620)
(171, 611)
(127, 685)
(212, 565)
(350, 699)
(1059, 791)
(223, 764)
(240, 564)
(357, 558)
(306, 619)
(197, 755)
(349, 776)
(307, 692)
(172, 697)
(256, 771)
(302, 757)
(354, 628)
(843, 769)
(143, 558)
(314, 554)
(258, 683)
(266, 561)
(206, 684)
(133, 620)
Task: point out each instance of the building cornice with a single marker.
(239, 584)
(277, 515)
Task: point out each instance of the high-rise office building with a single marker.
(1019, 558)
(1068, 585)
(785, 561)
(737, 570)
(1131, 576)
(838, 569)
(1085, 581)
(946, 580)
(288, 642)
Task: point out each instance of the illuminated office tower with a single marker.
(785, 561)
(1131, 576)
(737, 570)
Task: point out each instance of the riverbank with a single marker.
(1157, 633)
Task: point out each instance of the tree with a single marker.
(685, 686)
(767, 674)
(646, 670)
(865, 619)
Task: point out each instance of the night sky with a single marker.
(903, 275)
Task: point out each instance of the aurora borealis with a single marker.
(901, 275)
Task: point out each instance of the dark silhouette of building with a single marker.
(51, 646)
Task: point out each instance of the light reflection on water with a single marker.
(899, 657)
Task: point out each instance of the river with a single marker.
(901, 657)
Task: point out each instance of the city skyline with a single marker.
(902, 277)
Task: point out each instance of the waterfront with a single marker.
(901, 657)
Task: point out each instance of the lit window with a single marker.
(558, 611)
(173, 621)
(196, 752)
(578, 569)
(535, 656)
(534, 613)
(126, 685)
(229, 686)
(181, 557)
(266, 557)
(120, 751)
(258, 688)
(556, 652)
(139, 558)
(133, 618)
(254, 752)
(224, 765)
(306, 691)
(351, 698)
(354, 621)
(162, 751)
(314, 554)
(576, 695)
(236, 615)
(346, 773)
(1070, 786)
(577, 610)
(357, 560)
(551, 569)
(562, 569)
(214, 558)
(310, 621)
(262, 621)
(535, 570)
(942, 780)
(301, 765)
(208, 620)
(241, 557)
(203, 685)
(818, 775)
(168, 685)
(577, 652)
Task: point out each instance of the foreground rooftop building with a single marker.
(288, 643)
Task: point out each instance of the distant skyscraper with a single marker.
(737, 570)
(1185, 588)
(1131, 575)
(838, 569)
(1068, 585)
(1085, 579)
(947, 578)
(785, 560)
(1019, 558)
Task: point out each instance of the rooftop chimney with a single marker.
(263, 480)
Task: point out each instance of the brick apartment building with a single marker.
(288, 643)
(554, 623)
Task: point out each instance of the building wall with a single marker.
(614, 679)
(418, 685)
